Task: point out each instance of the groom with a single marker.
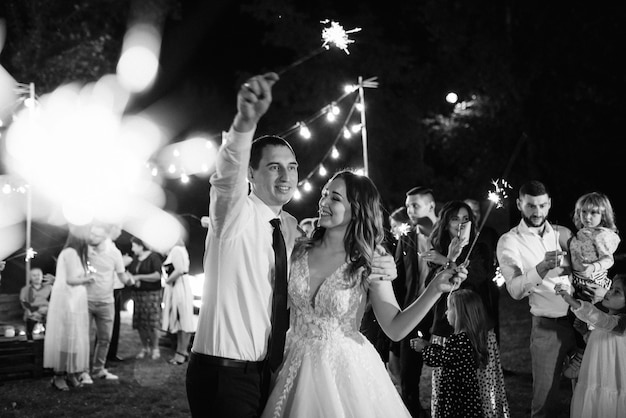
(228, 375)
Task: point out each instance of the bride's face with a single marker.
(334, 208)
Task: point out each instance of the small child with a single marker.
(465, 351)
(601, 387)
(591, 251)
(34, 299)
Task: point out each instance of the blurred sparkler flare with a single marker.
(30, 254)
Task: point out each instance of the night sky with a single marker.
(548, 77)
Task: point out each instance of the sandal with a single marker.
(72, 381)
(59, 384)
(174, 361)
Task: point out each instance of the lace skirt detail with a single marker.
(334, 377)
(490, 381)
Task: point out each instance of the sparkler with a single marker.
(334, 35)
(496, 198)
(90, 268)
(403, 230)
(30, 254)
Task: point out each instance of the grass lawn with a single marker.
(154, 388)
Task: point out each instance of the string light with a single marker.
(304, 131)
(322, 171)
(334, 153)
(307, 186)
(346, 133)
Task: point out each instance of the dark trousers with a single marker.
(30, 325)
(410, 373)
(115, 336)
(223, 391)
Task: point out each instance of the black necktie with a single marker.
(280, 314)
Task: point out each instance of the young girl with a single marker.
(450, 245)
(465, 351)
(595, 242)
(591, 251)
(601, 387)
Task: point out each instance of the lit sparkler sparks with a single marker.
(334, 35)
(403, 229)
(499, 194)
(30, 254)
(496, 198)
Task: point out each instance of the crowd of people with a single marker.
(366, 312)
(336, 315)
(80, 304)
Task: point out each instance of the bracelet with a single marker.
(447, 265)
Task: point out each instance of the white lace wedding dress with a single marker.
(330, 369)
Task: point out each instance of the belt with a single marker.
(560, 318)
(226, 362)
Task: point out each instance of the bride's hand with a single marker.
(447, 280)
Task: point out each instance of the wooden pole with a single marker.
(363, 127)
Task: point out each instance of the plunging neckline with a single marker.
(312, 296)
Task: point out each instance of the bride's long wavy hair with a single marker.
(365, 229)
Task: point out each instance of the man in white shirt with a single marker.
(106, 261)
(531, 259)
(227, 375)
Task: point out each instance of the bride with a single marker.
(330, 369)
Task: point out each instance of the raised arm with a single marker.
(397, 323)
(229, 187)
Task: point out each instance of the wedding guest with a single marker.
(451, 242)
(421, 208)
(531, 259)
(408, 286)
(66, 341)
(601, 387)
(145, 270)
(118, 289)
(489, 236)
(34, 299)
(178, 300)
(330, 369)
(591, 252)
(106, 263)
(464, 353)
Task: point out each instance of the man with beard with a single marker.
(532, 262)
